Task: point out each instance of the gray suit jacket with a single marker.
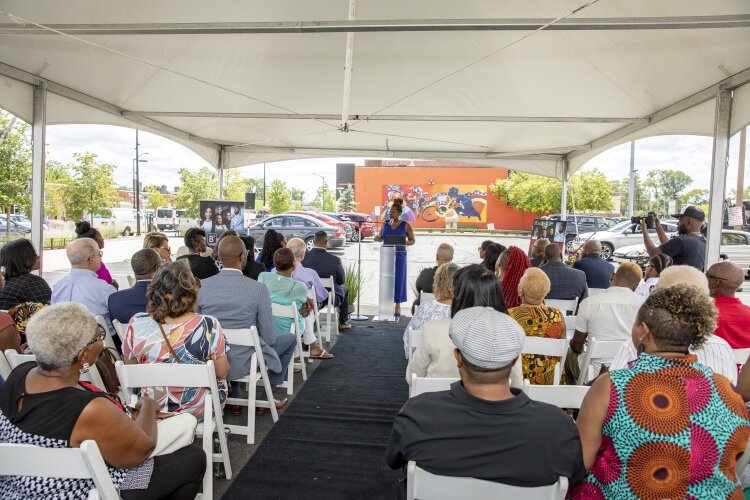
(240, 302)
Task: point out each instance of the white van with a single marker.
(166, 219)
(122, 218)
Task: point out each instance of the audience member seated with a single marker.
(9, 335)
(491, 254)
(43, 403)
(666, 427)
(537, 320)
(537, 252)
(481, 427)
(510, 267)
(473, 286)
(284, 289)
(19, 258)
(202, 266)
(598, 271)
(427, 275)
(437, 309)
(252, 268)
(656, 265)
(272, 241)
(566, 283)
(312, 281)
(609, 315)
(125, 303)
(82, 284)
(733, 321)
(248, 304)
(682, 274)
(326, 265)
(84, 230)
(171, 332)
(483, 247)
(158, 242)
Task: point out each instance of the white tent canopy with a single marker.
(529, 85)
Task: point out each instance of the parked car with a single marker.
(368, 228)
(735, 246)
(350, 226)
(620, 235)
(326, 219)
(583, 223)
(15, 227)
(297, 226)
(24, 221)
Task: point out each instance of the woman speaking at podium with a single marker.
(397, 227)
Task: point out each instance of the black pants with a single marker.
(176, 476)
(342, 303)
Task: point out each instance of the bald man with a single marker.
(424, 280)
(566, 283)
(598, 271)
(733, 322)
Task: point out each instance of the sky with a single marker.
(116, 145)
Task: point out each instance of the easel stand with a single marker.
(387, 284)
(359, 317)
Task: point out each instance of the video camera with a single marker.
(650, 219)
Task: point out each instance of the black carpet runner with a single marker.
(330, 442)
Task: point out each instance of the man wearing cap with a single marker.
(688, 247)
(482, 427)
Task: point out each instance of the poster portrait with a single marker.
(218, 216)
(552, 230)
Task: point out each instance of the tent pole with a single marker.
(564, 197)
(718, 174)
(38, 138)
(222, 161)
(631, 183)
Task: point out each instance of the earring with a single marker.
(85, 368)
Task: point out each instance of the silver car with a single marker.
(620, 235)
(296, 226)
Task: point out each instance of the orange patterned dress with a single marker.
(539, 321)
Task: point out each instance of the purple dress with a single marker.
(399, 293)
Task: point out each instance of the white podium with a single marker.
(387, 283)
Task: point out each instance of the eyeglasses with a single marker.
(166, 248)
(101, 334)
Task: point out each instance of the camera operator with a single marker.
(688, 247)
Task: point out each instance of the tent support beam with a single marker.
(564, 196)
(719, 164)
(348, 71)
(389, 25)
(222, 165)
(731, 83)
(38, 136)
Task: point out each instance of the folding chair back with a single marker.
(315, 314)
(562, 396)
(186, 375)
(5, 367)
(120, 328)
(108, 342)
(412, 340)
(331, 313)
(85, 462)
(93, 376)
(741, 355)
(603, 351)
(291, 311)
(421, 484)
(14, 359)
(548, 347)
(425, 384)
(565, 306)
(570, 326)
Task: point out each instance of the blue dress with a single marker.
(399, 294)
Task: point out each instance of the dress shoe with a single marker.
(280, 404)
(344, 327)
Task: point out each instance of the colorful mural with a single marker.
(468, 201)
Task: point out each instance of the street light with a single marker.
(321, 177)
(137, 188)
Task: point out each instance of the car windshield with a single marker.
(621, 226)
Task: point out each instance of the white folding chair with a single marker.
(603, 351)
(108, 342)
(541, 346)
(249, 337)
(120, 328)
(425, 297)
(565, 306)
(562, 396)
(185, 375)
(426, 384)
(412, 339)
(741, 355)
(291, 311)
(427, 486)
(570, 326)
(596, 291)
(5, 367)
(85, 462)
(331, 314)
(315, 315)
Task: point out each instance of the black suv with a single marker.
(585, 223)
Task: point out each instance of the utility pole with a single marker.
(741, 173)
(137, 187)
(264, 186)
(631, 184)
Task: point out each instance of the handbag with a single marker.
(105, 364)
(306, 308)
(174, 433)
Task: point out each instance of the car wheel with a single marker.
(126, 231)
(309, 243)
(355, 236)
(607, 250)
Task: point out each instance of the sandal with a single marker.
(323, 355)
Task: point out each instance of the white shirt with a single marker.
(431, 310)
(716, 354)
(644, 289)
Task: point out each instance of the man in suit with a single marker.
(326, 265)
(427, 276)
(125, 303)
(567, 283)
(598, 271)
(241, 302)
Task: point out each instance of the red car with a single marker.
(330, 221)
(368, 228)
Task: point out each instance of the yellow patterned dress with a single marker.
(539, 321)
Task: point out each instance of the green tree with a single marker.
(154, 198)
(56, 180)
(665, 185)
(195, 186)
(641, 202)
(325, 200)
(528, 192)
(346, 202)
(15, 165)
(91, 189)
(235, 186)
(297, 197)
(279, 198)
(590, 191)
(694, 197)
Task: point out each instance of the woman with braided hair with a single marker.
(511, 265)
